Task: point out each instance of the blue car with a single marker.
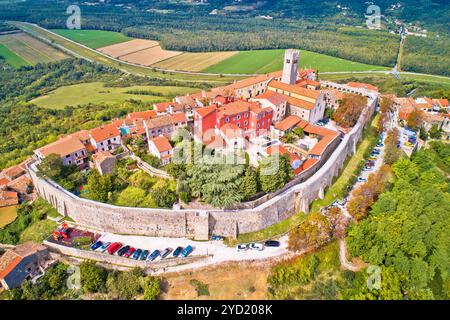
(96, 245)
(154, 255)
(187, 251)
(144, 255)
(105, 246)
(177, 251)
(136, 254)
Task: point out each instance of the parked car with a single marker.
(136, 254)
(105, 246)
(241, 247)
(341, 202)
(154, 255)
(166, 252)
(217, 238)
(362, 179)
(144, 255)
(272, 243)
(96, 245)
(123, 250)
(187, 251)
(257, 246)
(177, 251)
(129, 252)
(114, 247)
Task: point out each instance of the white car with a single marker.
(257, 246)
(241, 247)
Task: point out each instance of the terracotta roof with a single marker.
(20, 184)
(309, 163)
(251, 81)
(443, 103)
(304, 73)
(203, 112)
(231, 131)
(300, 103)
(3, 181)
(313, 94)
(12, 257)
(8, 198)
(287, 123)
(62, 147)
(327, 137)
(105, 132)
(273, 97)
(236, 107)
(159, 122)
(161, 143)
(178, 117)
(186, 100)
(142, 115)
(282, 150)
(102, 156)
(13, 172)
(82, 135)
(162, 106)
(363, 85)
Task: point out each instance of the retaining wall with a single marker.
(262, 213)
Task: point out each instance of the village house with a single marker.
(273, 100)
(166, 125)
(104, 161)
(161, 148)
(69, 148)
(24, 262)
(8, 198)
(106, 138)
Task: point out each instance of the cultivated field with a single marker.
(149, 56)
(95, 92)
(29, 49)
(124, 48)
(195, 62)
(7, 215)
(93, 38)
(264, 61)
(10, 57)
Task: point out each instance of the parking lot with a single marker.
(218, 251)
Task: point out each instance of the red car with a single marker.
(114, 247)
(129, 252)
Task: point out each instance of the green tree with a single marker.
(435, 132)
(152, 288)
(93, 278)
(249, 184)
(51, 166)
(275, 172)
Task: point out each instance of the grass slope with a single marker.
(93, 38)
(95, 92)
(7, 215)
(263, 61)
(10, 57)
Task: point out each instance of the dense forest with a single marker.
(324, 28)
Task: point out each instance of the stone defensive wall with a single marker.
(296, 196)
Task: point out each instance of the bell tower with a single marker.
(290, 68)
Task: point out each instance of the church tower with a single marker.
(290, 68)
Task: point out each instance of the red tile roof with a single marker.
(13, 172)
(203, 112)
(102, 156)
(287, 123)
(62, 147)
(3, 181)
(178, 117)
(161, 143)
(8, 198)
(272, 97)
(105, 132)
(142, 115)
(313, 94)
(363, 85)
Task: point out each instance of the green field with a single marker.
(12, 58)
(264, 61)
(93, 38)
(95, 92)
